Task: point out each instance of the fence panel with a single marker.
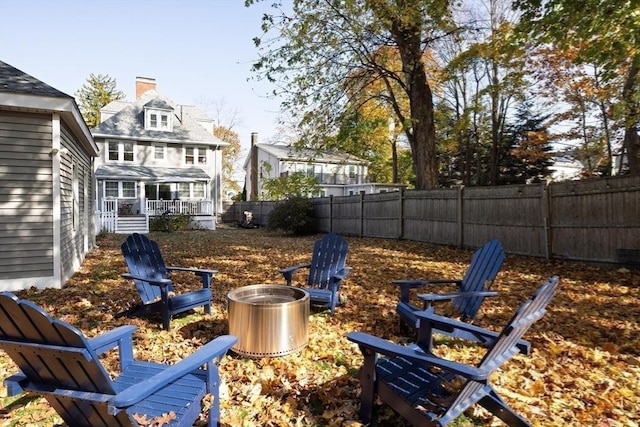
(592, 219)
(512, 214)
(431, 216)
(347, 215)
(381, 215)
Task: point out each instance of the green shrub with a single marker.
(293, 216)
(169, 223)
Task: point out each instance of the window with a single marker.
(120, 189)
(158, 119)
(198, 190)
(114, 151)
(195, 156)
(194, 190)
(159, 151)
(352, 171)
(120, 151)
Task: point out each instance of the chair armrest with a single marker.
(205, 275)
(157, 282)
(407, 285)
(428, 319)
(197, 271)
(455, 295)
(417, 283)
(341, 274)
(121, 337)
(134, 394)
(415, 354)
(288, 272)
(111, 339)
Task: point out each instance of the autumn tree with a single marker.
(320, 44)
(606, 34)
(296, 184)
(227, 118)
(96, 92)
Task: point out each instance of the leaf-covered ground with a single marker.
(584, 369)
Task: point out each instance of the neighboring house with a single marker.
(46, 183)
(564, 168)
(156, 157)
(338, 174)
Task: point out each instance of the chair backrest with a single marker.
(505, 346)
(329, 256)
(480, 274)
(49, 352)
(144, 259)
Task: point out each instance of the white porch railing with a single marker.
(112, 209)
(199, 207)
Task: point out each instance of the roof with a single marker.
(23, 91)
(285, 152)
(128, 122)
(150, 173)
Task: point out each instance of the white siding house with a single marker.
(46, 183)
(337, 174)
(156, 156)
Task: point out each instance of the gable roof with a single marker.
(307, 155)
(19, 90)
(128, 122)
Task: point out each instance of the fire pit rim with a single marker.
(303, 294)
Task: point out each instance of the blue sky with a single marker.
(199, 51)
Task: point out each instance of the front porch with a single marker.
(126, 216)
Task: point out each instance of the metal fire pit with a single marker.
(269, 320)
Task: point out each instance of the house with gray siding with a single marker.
(46, 183)
(156, 157)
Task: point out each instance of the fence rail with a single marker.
(591, 220)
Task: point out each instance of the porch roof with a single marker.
(151, 174)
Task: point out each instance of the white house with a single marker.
(337, 174)
(156, 157)
(46, 183)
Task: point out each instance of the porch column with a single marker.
(142, 198)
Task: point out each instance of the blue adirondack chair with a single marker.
(472, 288)
(151, 277)
(428, 390)
(58, 362)
(326, 271)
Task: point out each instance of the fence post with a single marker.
(460, 216)
(361, 214)
(401, 213)
(546, 217)
(330, 213)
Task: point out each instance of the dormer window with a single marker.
(158, 115)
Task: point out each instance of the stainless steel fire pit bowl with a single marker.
(269, 320)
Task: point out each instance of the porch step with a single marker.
(132, 224)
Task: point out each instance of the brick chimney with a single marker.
(143, 84)
(253, 194)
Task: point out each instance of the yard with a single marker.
(584, 369)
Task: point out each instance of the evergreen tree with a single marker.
(98, 91)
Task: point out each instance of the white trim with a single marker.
(55, 169)
(121, 144)
(22, 283)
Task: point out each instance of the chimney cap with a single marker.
(145, 79)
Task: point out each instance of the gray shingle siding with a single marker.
(26, 197)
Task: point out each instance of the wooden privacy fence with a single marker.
(590, 220)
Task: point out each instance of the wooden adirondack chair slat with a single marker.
(76, 385)
(421, 387)
(327, 269)
(151, 277)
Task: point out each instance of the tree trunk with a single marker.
(631, 139)
(422, 135)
